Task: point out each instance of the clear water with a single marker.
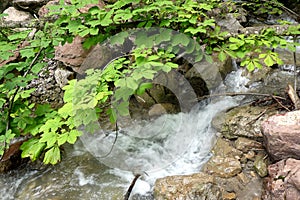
(168, 145)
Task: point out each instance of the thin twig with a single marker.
(127, 195)
(112, 146)
(295, 68)
(280, 103)
(239, 93)
(259, 116)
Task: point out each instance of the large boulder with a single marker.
(282, 135)
(283, 182)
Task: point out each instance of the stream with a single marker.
(169, 145)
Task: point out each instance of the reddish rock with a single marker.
(282, 135)
(283, 181)
(72, 54)
(12, 157)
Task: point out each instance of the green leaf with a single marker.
(269, 61)
(62, 138)
(112, 115)
(143, 87)
(194, 31)
(32, 149)
(72, 137)
(222, 56)
(208, 58)
(52, 156)
(50, 138)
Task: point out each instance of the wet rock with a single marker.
(224, 149)
(248, 189)
(223, 167)
(260, 166)
(283, 181)
(211, 73)
(160, 109)
(16, 15)
(244, 121)
(245, 144)
(186, 187)
(281, 135)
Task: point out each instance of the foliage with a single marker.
(48, 129)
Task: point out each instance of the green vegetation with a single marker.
(48, 128)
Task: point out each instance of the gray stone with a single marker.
(160, 109)
(282, 135)
(62, 76)
(230, 23)
(15, 15)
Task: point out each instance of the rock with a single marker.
(223, 167)
(224, 149)
(230, 23)
(72, 54)
(287, 56)
(260, 166)
(283, 181)
(12, 156)
(186, 187)
(16, 15)
(246, 145)
(211, 73)
(97, 58)
(282, 135)
(228, 196)
(47, 90)
(62, 76)
(248, 189)
(160, 109)
(244, 121)
(26, 4)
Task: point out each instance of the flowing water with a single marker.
(168, 145)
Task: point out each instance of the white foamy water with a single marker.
(169, 145)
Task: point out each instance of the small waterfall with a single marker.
(169, 145)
